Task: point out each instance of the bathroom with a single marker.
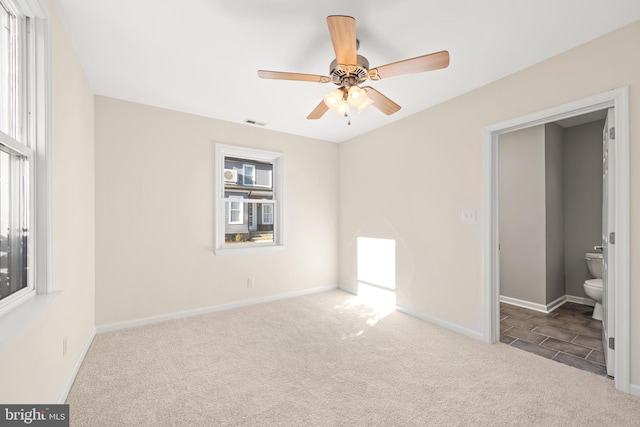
(550, 218)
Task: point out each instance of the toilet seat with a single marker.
(596, 255)
(593, 283)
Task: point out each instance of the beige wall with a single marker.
(32, 361)
(521, 213)
(440, 150)
(154, 215)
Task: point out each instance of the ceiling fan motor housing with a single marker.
(349, 75)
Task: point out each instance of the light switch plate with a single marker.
(468, 215)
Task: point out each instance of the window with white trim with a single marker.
(267, 214)
(248, 175)
(23, 156)
(249, 212)
(236, 210)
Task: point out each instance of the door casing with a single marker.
(618, 99)
(608, 226)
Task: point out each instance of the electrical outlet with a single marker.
(64, 346)
(250, 282)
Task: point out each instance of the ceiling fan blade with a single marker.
(279, 75)
(433, 61)
(381, 102)
(343, 37)
(318, 111)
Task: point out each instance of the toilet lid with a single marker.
(596, 283)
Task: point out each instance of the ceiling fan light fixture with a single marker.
(368, 101)
(334, 98)
(356, 97)
(340, 100)
(342, 109)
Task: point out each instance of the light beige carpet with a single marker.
(325, 360)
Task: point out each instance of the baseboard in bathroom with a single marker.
(524, 304)
(549, 307)
(542, 308)
(581, 300)
(556, 303)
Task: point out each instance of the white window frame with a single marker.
(269, 216)
(277, 160)
(240, 210)
(34, 107)
(253, 175)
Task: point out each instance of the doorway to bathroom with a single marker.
(616, 205)
(550, 196)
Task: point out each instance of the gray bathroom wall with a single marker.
(582, 201)
(521, 211)
(554, 211)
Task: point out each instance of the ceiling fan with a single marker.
(349, 70)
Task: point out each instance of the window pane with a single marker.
(7, 72)
(249, 172)
(13, 223)
(267, 214)
(250, 213)
(236, 211)
(5, 223)
(249, 220)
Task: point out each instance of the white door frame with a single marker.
(619, 99)
(608, 225)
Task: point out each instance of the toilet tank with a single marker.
(594, 263)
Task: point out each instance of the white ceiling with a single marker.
(201, 56)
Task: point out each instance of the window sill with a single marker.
(240, 249)
(20, 317)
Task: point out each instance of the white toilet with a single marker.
(593, 287)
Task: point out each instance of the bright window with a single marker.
(23, 157)
(236, 210)
(7, 70)
(14, 222)
(267, 214)
(248, 216)
(249, 175)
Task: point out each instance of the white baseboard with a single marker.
(426, 317)
(212, 309)
(634, 390)
(348, 289)
(440, 322)
(76, 367)
(581, 300)
(542, 308)
(548, 308)
(556, 303)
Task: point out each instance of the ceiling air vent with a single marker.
(254, 122)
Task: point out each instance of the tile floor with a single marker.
(568, 334)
